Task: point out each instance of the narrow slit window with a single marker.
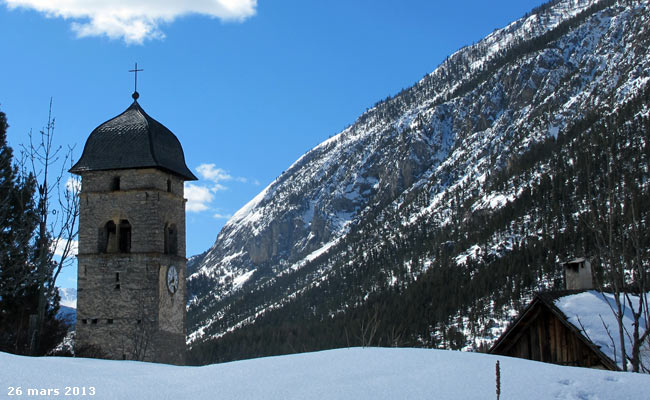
(116, 183)
(169, 185)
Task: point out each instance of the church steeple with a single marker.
(131, 262)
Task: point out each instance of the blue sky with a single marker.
(247, 86)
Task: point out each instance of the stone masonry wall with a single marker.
(124, 306)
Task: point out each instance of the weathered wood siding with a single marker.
(542, 336)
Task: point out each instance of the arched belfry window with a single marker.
(115, 239)
(125, 236)
(171, 239)
(169, 185)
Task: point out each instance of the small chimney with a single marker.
(577, 274)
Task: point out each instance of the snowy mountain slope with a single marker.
(355, 373)
(407, 164)
(68, 305)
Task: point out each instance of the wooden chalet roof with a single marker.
(547, 301)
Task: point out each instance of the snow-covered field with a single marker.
(356, 373)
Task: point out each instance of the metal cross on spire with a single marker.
(135, 94)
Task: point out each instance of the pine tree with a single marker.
(28, 323)
(18, 291)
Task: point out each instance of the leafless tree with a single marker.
(368, 328)
(620, 238)
(58, 211)
(394, 337)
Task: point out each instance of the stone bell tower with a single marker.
(132, 265)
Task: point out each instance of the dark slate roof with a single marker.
(133, 140)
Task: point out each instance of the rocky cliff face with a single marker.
(412, 159)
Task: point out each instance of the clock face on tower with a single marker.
(172, 279)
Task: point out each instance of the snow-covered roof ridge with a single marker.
(592, 313)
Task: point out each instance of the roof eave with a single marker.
(187, 176)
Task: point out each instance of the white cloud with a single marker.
(222, 216)
(58, 246)
(198, 197)
(217, 187)
(212, 173)
(133, 21)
